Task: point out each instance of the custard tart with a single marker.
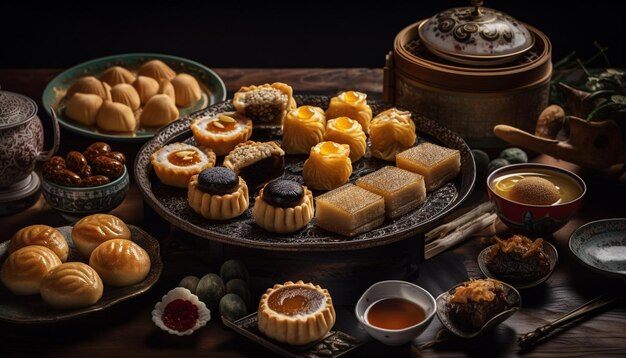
(222, 132)
(218, 194)
(296, 313)
(283, 206)
(175, 163)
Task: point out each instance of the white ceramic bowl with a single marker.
(395, 289)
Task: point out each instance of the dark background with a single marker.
(272, 34)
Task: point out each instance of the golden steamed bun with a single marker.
(71, 285)
(158, 111)
(146, 87)
(92, 230)
(120, 262)
(116, 75)
(24, 270)
(186, 88)
(42, 235)
(83, 108)
(125, 93)
(90, 84)
(116, 117)
(157, 69)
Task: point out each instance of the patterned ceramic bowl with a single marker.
(537, 220)
(74, 203)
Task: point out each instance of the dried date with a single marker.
(95, 180)
(95, 150)
(119, 156)
(64, 177)
(108, 167)
(76, 162)
(52, 164)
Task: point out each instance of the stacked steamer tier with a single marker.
(471, 68)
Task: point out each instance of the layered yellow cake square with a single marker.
(349, 210)
(437, 164)
(402, 190)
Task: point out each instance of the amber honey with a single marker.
(184, 158)
(395, 313)
(292, 301)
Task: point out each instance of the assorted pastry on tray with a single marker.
(121, 101)
(38, 262)
(334, 139)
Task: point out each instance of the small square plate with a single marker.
(334, 344)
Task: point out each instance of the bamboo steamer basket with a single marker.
(469, 99)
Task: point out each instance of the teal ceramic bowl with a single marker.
(74, 203)
(212, 86)
(601, 246)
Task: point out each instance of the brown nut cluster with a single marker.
(96, 166)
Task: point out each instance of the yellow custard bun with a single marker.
(72, 285)
(349, 210)
(146, 87)
(391, 132)
(125, 93)
(120, 262)
(156, 69)
(296, 313)
(24, 269)
(344, 130)
(437, 164)
(222, 132)
(402, 190)
(218, 194)
(158, 111)
(90, 231)
(42, 235)
(186, 88)
(303, 128)
(283, 206)
(353, 105)
(265, 104)
(328, 166)
(175, 163)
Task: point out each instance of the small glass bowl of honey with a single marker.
(395, 312)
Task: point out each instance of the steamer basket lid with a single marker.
(475, 35)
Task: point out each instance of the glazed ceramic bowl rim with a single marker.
(577, 236)
(363, 320)
(546, 167)
(90, 188)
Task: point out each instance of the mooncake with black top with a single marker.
(218, 194)
(256, 162)
(283, 206)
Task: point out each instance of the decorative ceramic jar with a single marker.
(471, 68)
(21, 138)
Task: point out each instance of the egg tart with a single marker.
(391, 132)
(303, 128)
(283, 206)
(328, 166)
(344, 130)
(218, 194)
(265, 104)
(175, 163)
(353, 105)
(256, 162)
(222, 132)
(296, 313)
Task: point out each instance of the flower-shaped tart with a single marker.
(283, 206)
(175, 163)
(296, 313)
(180, 312)
(222, 132)
(353, 105)
(218, 194)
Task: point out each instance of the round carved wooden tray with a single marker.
(171, 203)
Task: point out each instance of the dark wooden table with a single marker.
(127, 330)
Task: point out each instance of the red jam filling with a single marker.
(180, 315)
